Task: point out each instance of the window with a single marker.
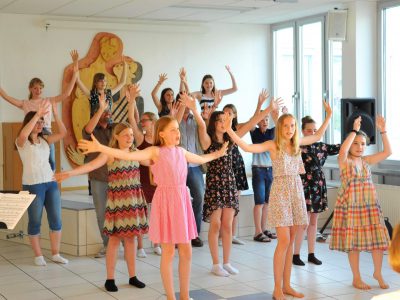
(299, 66)
(390, 61)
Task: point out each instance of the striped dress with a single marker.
(126, 209)
(358, 223)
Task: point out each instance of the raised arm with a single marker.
(16, 102)
(205, 158)
(26, 131)
(81, 85)
(253, 148)
(307, 140)
(132, 92)
(344, 149)
(154, 92)
(183, 86)
(234, 85)
(122, 82)
(71, 84)
(204, 138)
(273, 105)
(138, 155)
(96, 163)
(387, 150)
(62, 131)
(91, 125)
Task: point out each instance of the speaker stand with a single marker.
(322, 237)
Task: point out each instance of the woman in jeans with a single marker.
(37, 178)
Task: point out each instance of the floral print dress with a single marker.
(314, 183)
(221, 190)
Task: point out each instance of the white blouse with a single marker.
(35, 162)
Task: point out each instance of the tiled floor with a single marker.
(83, 277)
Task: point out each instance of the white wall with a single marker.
(28, 50)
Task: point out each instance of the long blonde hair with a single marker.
(160, 126)
(280, 140)
(118, 128)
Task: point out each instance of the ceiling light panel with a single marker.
(36, 7)
(86, 8)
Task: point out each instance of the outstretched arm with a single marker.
(183, 87)
(62, 131)
(307, 140)
(123, 78)
(16, 102)
(257, 117)
(234, 85)
(253, 148)
(205, 158)
(132, 92)
(139, 155)
(154, 92)
(387, 150)
(96, 163)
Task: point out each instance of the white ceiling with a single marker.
(226, 11)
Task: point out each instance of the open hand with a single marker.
(189, 101)
(228, 120)
(357, 124)
(162, 77)
(222, 151)
(89, 146)
(61, 176)
(75, 155)
(380, 123)
(327, 107)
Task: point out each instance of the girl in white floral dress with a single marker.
(287, 210)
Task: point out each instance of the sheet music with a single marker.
(13, 206)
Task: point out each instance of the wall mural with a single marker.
(104, 56)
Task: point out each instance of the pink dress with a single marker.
(172, 219)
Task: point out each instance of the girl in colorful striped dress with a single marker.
(358, 223)
(126, 210)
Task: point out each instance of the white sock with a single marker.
(39, 261)
(59, 259)
(219, 271)
(231, 270)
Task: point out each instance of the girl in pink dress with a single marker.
(172, 219)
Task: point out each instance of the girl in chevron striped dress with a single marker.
(126, 209)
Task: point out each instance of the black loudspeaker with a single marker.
(355, 107)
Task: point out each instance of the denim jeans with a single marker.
(261, 181)
(195, 183)
(48, 196)
(99, 194)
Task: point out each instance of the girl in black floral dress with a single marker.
(315, 191)
(221, 201)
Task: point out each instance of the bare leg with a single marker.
(55, 240)
(377, 256)
(312, 232)
(140, 241)
(299, 239)
(111, 255)
(130, 255)
(227, 216)
(168, 251)
(35, 243)
(185, 261)
(257, 213)
(283, 234)
(287, 288)
(354, 260)
(264, 217)
(213, 233)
